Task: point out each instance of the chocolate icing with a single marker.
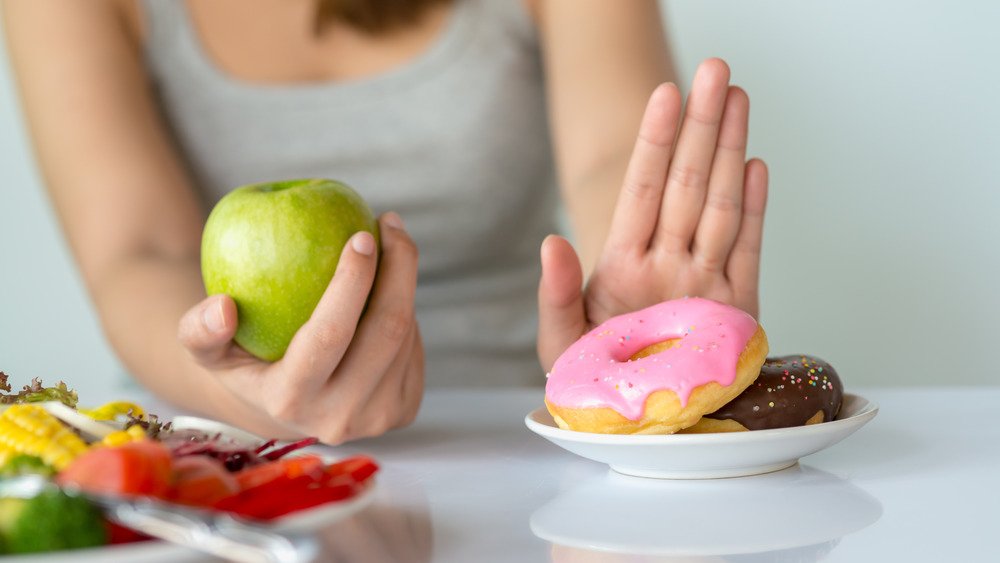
(789, 391)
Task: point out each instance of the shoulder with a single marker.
(48, 26)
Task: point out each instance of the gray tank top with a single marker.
(456, 141)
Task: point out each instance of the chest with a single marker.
(282, 41)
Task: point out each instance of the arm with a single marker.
(124, 201)
(134, 225)
(602, 59)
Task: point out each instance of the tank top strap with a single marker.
(165, 22)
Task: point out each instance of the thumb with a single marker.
(561, 315)
(207, 329)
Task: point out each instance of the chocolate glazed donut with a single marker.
(790, 391)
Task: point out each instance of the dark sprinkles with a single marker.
(788, 392)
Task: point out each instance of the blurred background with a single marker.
(881, 126)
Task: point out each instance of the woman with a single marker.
(460, 117)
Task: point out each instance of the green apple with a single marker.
(273, 247)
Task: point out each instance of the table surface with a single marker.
(469, 482)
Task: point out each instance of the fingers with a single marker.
(395, 400)
(687, 178)
(638, 206)
(561, 315)
(369, 382)
(390, 317)
(384, 408)
(413, 382)
(720, 217)
(320, 344)
(207, 330)
(743, 269)
(405, 391)
(347, 350)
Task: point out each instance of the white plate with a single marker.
(706, 456)
(210, 426)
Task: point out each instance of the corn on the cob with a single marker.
(30, 429)
(133, 434)
(110, 411)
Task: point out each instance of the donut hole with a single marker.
(656, 348)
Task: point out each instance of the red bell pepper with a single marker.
(286, 486)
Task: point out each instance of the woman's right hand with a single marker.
(350, 372)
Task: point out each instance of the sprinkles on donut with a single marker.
(791, 391)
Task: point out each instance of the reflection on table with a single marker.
(394, 528)
(798, 514)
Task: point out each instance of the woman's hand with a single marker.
(349, 372)
(688, 220)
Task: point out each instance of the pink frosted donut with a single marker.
(657, 370)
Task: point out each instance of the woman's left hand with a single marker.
(688, 220)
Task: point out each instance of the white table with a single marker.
(468, 482)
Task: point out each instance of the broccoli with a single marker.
(23, 464)
(50, 521)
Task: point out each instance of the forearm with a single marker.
(140, 302)
(602, 61)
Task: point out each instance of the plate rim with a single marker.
(867, 411)
(212, 426)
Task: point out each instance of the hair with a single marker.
(372, 16)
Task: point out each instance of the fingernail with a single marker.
(363, 243)
(213, 318)
(393, 220)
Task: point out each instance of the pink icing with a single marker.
(596, 370)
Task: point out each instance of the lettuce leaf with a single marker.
(36, 393)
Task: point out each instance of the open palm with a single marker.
(688, 221)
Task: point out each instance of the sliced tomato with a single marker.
(201, 481)
(135, 468)
(289, 485)
(291, 467)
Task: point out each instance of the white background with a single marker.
(881, 125)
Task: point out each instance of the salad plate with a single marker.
(706, 456)
(234, 448)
